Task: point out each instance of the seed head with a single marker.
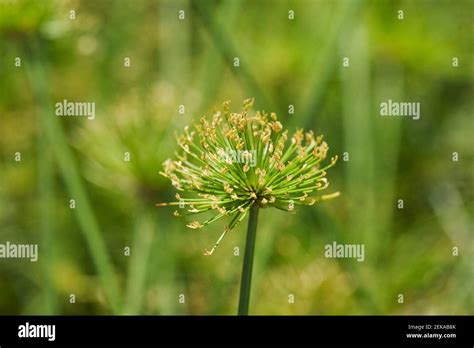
(235, 160)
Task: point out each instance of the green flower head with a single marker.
(234, 160)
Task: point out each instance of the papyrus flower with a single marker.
(233, 161)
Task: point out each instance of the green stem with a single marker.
(248, 262)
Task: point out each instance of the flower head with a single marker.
(232, 161)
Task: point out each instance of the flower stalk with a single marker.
(246, 280)
(233, 164)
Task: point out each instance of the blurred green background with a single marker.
(190, 62)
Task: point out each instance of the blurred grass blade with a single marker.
(360, 174)
(326, 64)
(211, 78)
(70, 174)
(139, 260)
(229, 51)
(46, 210)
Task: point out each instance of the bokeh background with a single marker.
(190, 62)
